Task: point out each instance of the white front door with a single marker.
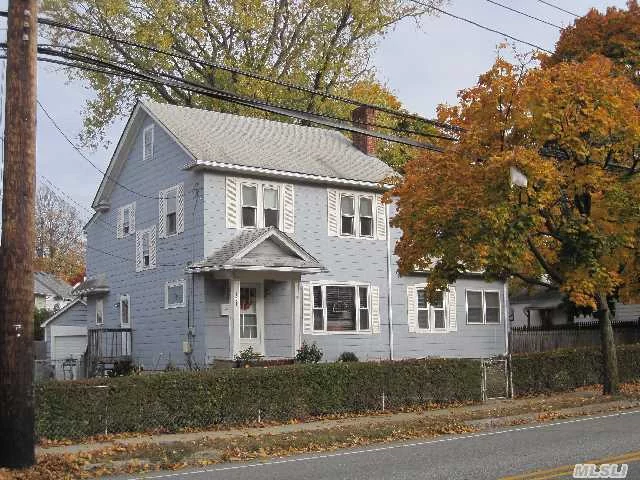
(251, 326)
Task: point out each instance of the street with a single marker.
(527, 452)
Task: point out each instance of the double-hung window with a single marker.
(171, 221)
(172, 213)
(147, 143)
(146, 246)
(146, 249)
(126, 224)
(249, 198)
(347, 215)
(483, 307)
(341, 308)
(126, 220)
(431, 315)
(271, 206)
(365, 210)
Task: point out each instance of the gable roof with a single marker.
(47, 284)
(60, 312)
(92, 286)
(225, 141)
(287, 255)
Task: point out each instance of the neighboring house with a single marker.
(548, 308)
(216, 232)
(50, 292)
(65, 336)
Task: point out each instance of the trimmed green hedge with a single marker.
(181, 400)
(173, 401)
(569, 368)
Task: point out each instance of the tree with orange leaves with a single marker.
(574, 131)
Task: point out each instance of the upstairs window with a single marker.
(483, 307)
(355, 214)
(366, 216)
(171, 221)
(347, 214)
(271, 204)
(126, 220)
(249, 205)
(146, 249)
(147, 144)
(172, 214)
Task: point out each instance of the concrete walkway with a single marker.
(490, 414)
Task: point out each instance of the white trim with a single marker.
(130, 209)
(175, 190)
(283, 173)
(355, 284)
(430, 311)
(482, 291)
(128, 298)
(260, 186)
(62, 310)
(256, 343)
(100, 303)
(175, 283)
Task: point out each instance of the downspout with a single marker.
(505, 289)
(389, 308)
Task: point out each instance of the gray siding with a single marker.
(216, 326)
(158, 333)
(278, 328)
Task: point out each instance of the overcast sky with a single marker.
(423, 66)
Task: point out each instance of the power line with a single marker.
(77, 149)
(463, 19)
(525, 14)
(559, 8)
(166, 79)
(256, 76)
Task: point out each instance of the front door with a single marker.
(251, 317)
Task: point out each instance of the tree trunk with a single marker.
(607, 344)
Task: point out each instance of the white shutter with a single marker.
(139, 238)
(179, 207)
(120, 222)
(453, 322)
(381, 218)
(232, 202)
(332, 212)
(132, 218)
(147, 144)
(162, 212)
(288, 212)
(307, 309)
(412, 308)
(375, 310)
(152, 247)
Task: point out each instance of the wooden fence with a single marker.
(537, 339)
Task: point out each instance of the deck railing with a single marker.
(108, 345)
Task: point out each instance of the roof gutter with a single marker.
(246, 169)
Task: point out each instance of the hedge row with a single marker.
(179, 400)
(569, 368)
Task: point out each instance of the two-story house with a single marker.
(216, 232)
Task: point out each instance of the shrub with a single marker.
(246, 356)
(569, 368)
(348, 357)
(309, 353)
(182, 400)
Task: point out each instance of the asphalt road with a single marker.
(533, 452)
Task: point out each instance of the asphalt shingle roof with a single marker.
(47, 284)
(222, 137)
(224, 255)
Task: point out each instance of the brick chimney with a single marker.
(361, 115)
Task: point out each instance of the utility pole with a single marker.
(17, 435)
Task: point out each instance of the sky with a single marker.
(424, 65)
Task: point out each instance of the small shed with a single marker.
(65, 335)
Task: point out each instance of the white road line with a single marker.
(388, 447)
